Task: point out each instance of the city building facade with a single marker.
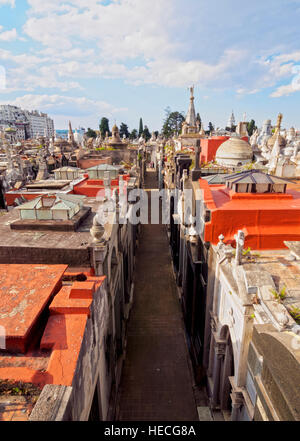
(27, 124)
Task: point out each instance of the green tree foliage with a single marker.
(90, 133)
(133, 134)
(141, 127)
(172, 123)
(251, 127)
(104, 127)
(146, 134)
(198, 119)
(230, 129)
(124, 130)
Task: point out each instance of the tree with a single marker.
(198, 119)
(146, 134)
(124, 130)
(251, 127)
(230, 129)
(172, 123)
(156, 133)
(104, 127)
(90, 133)
(133, 134)
(141, 128)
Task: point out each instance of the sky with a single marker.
(81, 60)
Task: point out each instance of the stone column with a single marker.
(98, 258)
(211, 347)
(237, 400)
(220, 352)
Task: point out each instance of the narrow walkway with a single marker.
(157, 383)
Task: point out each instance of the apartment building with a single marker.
(27, 124)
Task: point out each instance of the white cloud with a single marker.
(60, 103)
(244, 91)
(8, 35)
(132, 40)
(8, 2)
(288, 69)
(287, 89)
(81, 110)
(171, 72)
(32, 71)
(121, 30)
(46, 6)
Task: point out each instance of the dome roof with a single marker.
(272, 139)
(234, 148)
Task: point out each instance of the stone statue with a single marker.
(253, 139)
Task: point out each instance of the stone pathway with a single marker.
(157, 383)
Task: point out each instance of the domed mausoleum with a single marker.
(234, 152)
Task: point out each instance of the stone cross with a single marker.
(240, 241)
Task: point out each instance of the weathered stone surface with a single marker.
(52, 247)
(253, 279)
(204, 413)
(254, 363)
(281, 370)
(52, 404)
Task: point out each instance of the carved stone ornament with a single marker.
(97, 231)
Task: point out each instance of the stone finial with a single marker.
(278, 124)
(220, 243)
(97, 231)
(221, 238)
(240, 242)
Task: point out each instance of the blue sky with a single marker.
(125, 59)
